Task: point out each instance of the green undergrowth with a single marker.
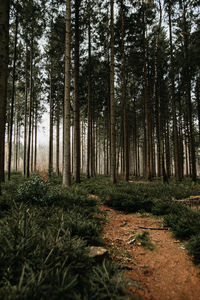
(155, 198)
(45, 236)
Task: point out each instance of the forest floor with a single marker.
(165, 273)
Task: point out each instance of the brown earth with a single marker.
(166, 273)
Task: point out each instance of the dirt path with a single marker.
(166, 273)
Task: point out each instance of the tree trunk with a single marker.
(16, 143)
(188, 95)
(13, 95)
(175, 130)
(32, 141)
(89, 136)
(35, 152)
(25, 114)
(76, 97)
(66, 154)
(51, 125)
(58, 140)
(124, 101)
(112, 98)
(19, 145)
(148, 171)
(168, 156)
(198, 102)
(30, 112)
(4, 41)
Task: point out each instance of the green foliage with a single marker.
(127, 202)
(44, 243)
(108, 280)
(184, 223)
(144, 239)
(33, 191)
(193, 246)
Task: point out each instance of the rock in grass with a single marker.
(97, 252)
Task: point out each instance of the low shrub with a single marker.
(193, 246)
(128, 202)
(33, 191)
(45, 237)
(184, 223)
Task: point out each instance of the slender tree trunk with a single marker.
(104, 152)
(63, 136)
(138, 158)
(13, 95)
(82, 147)
(30, 112)
(4, 41)
(93, 166)
(72, 150)
(147, 108)
(35, 152)
(92, 144)
(99, 147)
(188, 95)
(108, 123)
(58, 140)
(124, 101)
(66, 129)
(175, 130)
(19, 146)
(168, 156)
(32, 142)
(16, 143)
(186, 157)
(135, 152)
(51, 124)
(157, 100)
(198, 102)
(13, 163)
(76, 97)
(25, 114)
(112, 98)
(96, 148)
(89, 136)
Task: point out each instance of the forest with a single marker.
(110, 208)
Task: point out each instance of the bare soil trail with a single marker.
(166, 273)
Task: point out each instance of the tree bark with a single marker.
(25, 114)
(4, 42)
(112, 98)
(32, 140)
(51, 124)
(30, 112)
(175, 129)
(58, 140)
(188, 99)
(124, 101)
(76, 96)
(35, 152)
(13, 95)
(66, 154)
(89, 136)
(198, 102)
(148, 170)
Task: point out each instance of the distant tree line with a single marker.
(122, 78)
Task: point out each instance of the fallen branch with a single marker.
(153, 228)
